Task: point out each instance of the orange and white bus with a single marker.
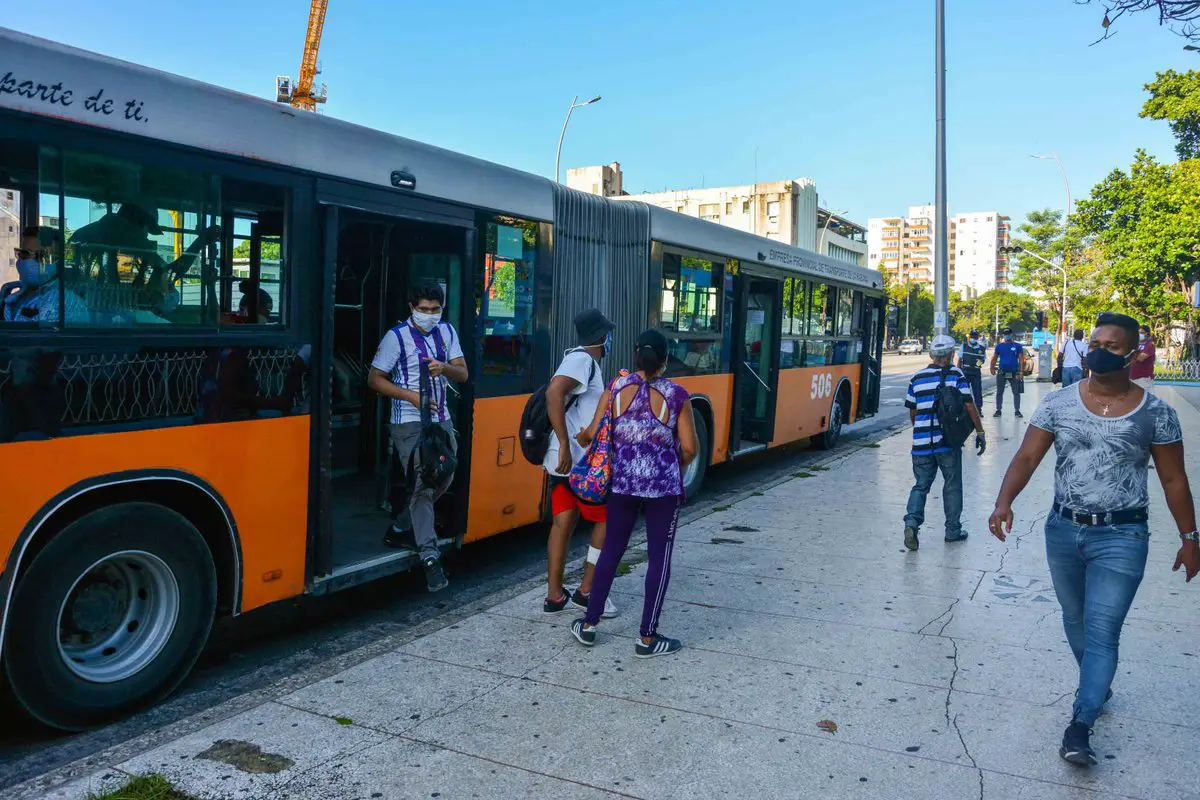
(185, 429)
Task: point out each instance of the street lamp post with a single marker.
(941, 269)
(558, 156)
(829, 215)
(1062, 317)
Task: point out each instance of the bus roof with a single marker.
(48, 79)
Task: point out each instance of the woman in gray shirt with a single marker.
(1104, 431)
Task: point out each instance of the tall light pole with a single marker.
(941, 270)
(829, 215)
(1062, 317)
(1066, 184)
(558, 156)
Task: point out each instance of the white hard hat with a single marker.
(942, 345)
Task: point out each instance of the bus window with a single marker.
(504, 297)
(795, 307)
(820, 310)
(845, 312)
(690, 313)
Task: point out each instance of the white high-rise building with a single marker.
(905, 249)
(979, 265)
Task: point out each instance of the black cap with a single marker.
(591, 327)
(1007, 331)
(653, 339)
(974, 333)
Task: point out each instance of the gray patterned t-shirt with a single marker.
(1102, 460)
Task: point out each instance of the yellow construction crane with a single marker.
(302, 94)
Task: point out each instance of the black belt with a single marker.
(1122, 517)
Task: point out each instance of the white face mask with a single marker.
(426, 322)
(974, 342)
(32, 273)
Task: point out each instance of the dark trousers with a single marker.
(975, 378)
(1014, 380)
(662, 517)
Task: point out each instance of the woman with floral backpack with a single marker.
(651, 437)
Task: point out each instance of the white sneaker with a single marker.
(580, 600)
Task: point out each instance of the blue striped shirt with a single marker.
(922, 389)
(399, 355)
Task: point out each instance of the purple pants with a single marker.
(662, 517)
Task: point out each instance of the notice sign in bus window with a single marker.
(510, 242)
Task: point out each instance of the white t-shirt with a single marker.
(399, 355)
(577, 365)
(1073, 353)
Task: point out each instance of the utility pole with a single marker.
(941, 270)
(907, 307)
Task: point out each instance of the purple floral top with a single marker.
(645, 450)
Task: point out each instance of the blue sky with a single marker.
(841, 92)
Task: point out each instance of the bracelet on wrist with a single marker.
(1194, 536)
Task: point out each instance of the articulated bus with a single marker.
(185, 428)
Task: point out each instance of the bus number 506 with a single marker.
(822, 385)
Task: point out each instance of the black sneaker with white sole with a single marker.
(400, 540)
(435, 579)
(557, 606)
(584, 635)
(1076, 745)
(580, 601)
(660, 646)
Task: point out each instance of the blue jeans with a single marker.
(1096, 571)
(925, 469)
(1071, 375)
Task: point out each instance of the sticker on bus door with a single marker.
(822, 385)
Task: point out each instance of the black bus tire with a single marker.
(111, 615)
(693, 474)
(828, 438)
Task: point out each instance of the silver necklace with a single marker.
(1110, 403)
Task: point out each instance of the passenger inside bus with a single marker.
(35, 296)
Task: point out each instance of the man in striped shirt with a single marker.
(422, 342)
(929, 451)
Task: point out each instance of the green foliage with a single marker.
(914, 305)
(981, 313)
(1175, 97)
(142, 787)
(1088, 290)
(270, 250)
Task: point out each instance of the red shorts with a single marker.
(562, 499)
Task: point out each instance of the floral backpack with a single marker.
(592, 476)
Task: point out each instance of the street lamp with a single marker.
(829, 215)
(1062, 317)
(1054, 157)
(574, 105)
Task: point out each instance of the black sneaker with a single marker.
(997, 413)
(557, 606)
(911, 541)
(580, 601)
(401, 540)
(1018, 415)
(585, 636)
(961, 537)
(661, 646)
(435, 579)
(1076, 746)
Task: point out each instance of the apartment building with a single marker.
(905, 248)
(10, 234)
(840, 238)
(605, 180)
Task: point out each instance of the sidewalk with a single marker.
(821, 660)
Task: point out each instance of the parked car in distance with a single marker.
(910, 347)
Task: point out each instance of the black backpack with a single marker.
(950, 408)
(535, 422)
(435, 445)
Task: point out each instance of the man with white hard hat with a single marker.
(943, 413)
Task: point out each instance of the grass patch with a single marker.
(872, 445)
(803, 475)
(624, 569)
(819, 469)
(756, 494)
(143, 787)
(722, 508)
(343, 720)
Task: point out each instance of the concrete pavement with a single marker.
(821, 660)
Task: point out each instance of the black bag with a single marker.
(535, 422)
(950, 407)
(435, 446)
(1056, 375)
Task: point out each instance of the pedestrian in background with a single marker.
(1104, 431)
(1141, 371)
(653, 439)
(1071, 359)
(1008, 365)
(930, 452)
(572, 397)
(970, 360)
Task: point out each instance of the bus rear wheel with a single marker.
(111, 615)
(693, 473)
(828, 438)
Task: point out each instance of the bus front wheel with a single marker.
(693, 473)
(828, 438)
(111, 615)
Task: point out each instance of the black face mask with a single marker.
(1104, 362)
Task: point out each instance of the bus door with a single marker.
(871, 355)
(755, 361)
(376, 251)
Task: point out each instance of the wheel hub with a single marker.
(99, 608)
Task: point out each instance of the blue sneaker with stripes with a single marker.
(659, 646)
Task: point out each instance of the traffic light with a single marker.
(1041, 320)
(1012, 249)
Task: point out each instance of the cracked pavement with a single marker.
(945, 671)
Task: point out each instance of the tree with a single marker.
(1004, 309)
(270, 250)
(1181, 16)
(914, 306)
(1175, 97)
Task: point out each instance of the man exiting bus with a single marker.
(423, 342)
(934, 419)
(571, 400)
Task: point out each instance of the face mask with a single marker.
(426, 322)
(32, 273)
(1144, 336)
(1104, 362)
(974, 342)
(608, 344)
